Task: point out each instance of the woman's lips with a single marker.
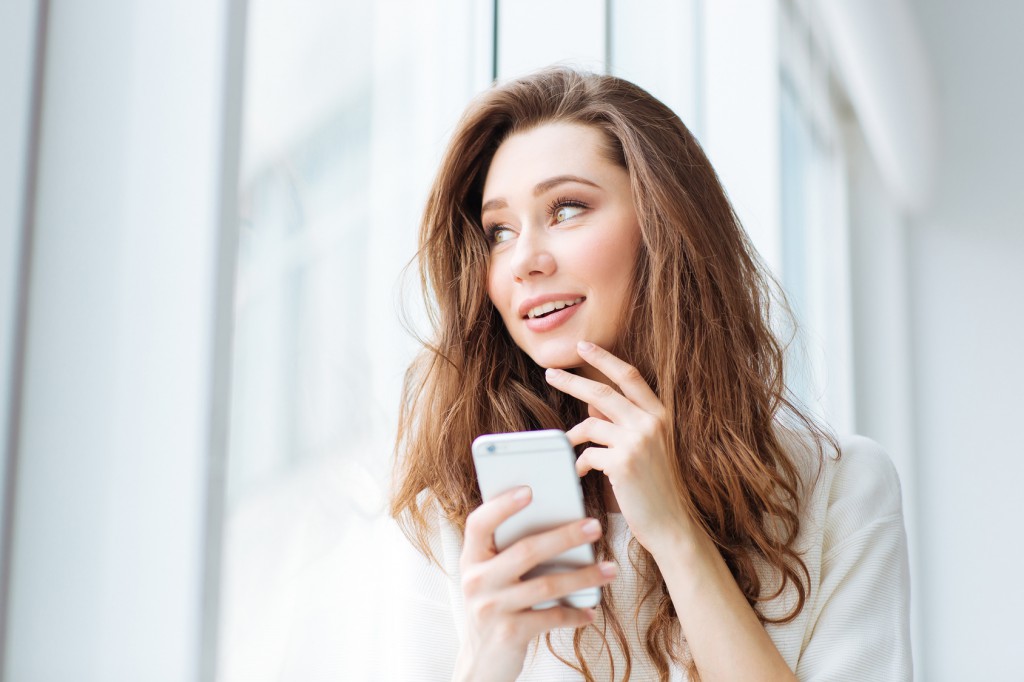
(552, 319)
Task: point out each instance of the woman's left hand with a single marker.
(723, 632)
(636, 457)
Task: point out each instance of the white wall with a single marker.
(966, 258)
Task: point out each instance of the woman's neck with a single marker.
(591, 372)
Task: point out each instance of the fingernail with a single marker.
(608, 569)
(551, 372)
(584, 346)
(522, 494)
(592, 527)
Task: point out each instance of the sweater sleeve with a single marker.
(860, 625)
(426, 641)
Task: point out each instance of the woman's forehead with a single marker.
(548, 151)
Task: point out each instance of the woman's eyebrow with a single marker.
(540, 188)
(558, 180)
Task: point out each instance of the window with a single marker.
(347, 108)
(815, 269)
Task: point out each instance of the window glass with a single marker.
(797, 158)
(533, 34)
(815, 269)
(656, 44)
(347, 108)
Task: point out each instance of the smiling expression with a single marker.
(564, 236)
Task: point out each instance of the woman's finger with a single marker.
(624, 375)
(592, 458)
(528, 553)
(593, 430)
(478, 543)
(533, 623)
(609, 401)
(552, 586)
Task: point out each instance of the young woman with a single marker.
(587, 273)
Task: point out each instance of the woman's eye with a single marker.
(566, 211)
(498, 234)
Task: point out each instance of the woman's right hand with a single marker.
(500, 621)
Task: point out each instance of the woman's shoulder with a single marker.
(856, 623)
(848, 489)
(863, 491)
(860, 469)
(864, 472)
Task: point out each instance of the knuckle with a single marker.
(484, 608)
(507, 631)
(650, 423)
(525, 553)
(631, 374)
(629, 466)
(603, 391)
(474, 521)
(543, 587)
(471, 581)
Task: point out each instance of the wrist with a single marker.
(684, 543)
(463, 667)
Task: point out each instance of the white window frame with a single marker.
(113, 542)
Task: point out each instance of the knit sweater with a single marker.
(853, 626)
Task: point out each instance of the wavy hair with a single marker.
(697, 328)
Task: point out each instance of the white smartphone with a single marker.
(545, 461)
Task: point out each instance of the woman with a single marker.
(589, 274)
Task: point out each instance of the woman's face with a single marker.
(564, 236)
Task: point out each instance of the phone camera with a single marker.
(490, 448)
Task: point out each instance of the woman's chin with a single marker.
(564, 360)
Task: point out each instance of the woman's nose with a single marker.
(532, 256)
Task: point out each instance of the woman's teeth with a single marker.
(550, 306)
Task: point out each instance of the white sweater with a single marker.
(854, 625)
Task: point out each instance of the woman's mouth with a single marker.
(552, 306)
(549, 315)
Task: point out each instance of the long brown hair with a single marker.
(697, 328)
